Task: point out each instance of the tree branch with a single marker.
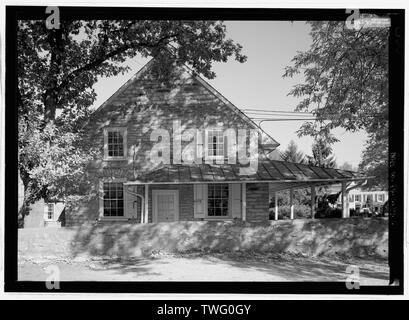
(97, 62)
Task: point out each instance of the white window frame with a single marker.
(46, 218)
(220, 132)
(229, 214)
(123, 131)
(101, 200)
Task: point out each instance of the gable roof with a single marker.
(268, 143)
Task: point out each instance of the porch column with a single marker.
(243, 201)
(345, 207)
(291, 204)
(312, 202)
(276, 205)
(146, 215)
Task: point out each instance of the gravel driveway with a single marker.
(206, 267)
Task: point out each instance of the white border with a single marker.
(207, 4)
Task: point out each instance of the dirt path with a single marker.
(207, 268)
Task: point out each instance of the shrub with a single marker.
(328, 212)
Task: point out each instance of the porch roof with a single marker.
(281, 174)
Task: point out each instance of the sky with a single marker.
(258, 83)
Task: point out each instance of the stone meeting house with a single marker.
(134, 188)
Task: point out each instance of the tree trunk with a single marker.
(29, 197)
(51, 94)
(50, 105)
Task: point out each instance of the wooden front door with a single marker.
(165, 205)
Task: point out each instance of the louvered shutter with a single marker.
(235, 200)
(199, 146)
(200, 198)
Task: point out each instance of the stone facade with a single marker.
(145, 104)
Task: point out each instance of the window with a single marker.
(114, 143)
(113, 199)
(215, 143)
(351, 198)
(50, 211)
(358, 198)
(218, 200)
(381, 197)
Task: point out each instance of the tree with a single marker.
(292, 154)
(347, 166)
(374, 160)
(57, 69)
(346, 85)
(321, 154)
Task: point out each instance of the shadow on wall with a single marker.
(344, 237)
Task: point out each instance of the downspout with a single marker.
(142, 201)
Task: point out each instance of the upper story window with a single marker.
(115, 143)
(215, 143)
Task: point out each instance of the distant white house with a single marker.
(360, 200)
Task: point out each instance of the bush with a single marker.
(328, 212)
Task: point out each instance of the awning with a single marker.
(281, 174)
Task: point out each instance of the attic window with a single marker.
(215, 144)
(115, 143)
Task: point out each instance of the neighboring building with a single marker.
(133, 187)
(372, 201)
(359, 200)
(42, 214)
(45, 214)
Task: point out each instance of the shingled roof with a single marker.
(284, 174)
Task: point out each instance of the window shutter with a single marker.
(200, 198)
(101, 198)
(225, 146)
(235, 200)
(45, 211)
(199, 146)
(105, 143)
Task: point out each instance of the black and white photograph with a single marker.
(214, 149)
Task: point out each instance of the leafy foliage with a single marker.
(375, 160)
(346, 85)
(321, 155)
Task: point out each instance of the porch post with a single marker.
(146, 218)
(312, 202)
(276, 205)
(345, 208)
(243, 201)
(291, 204)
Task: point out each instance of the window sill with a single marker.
(113, 219)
